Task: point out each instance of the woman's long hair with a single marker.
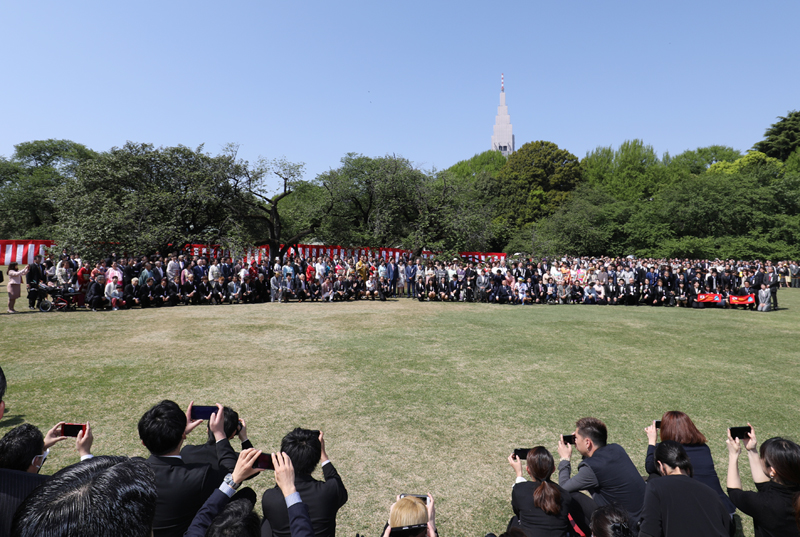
(783, 456)
(546, 497)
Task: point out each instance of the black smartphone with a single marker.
(408, 531)
(72, 429)
(522, 453)
(569, 439)
(740, 432)
(658, 424)
(264, 461)
(423, 497)
(203, 412)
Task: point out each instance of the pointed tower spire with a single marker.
(503, 137)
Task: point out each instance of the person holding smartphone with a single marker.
(775, 506)
(410, 516)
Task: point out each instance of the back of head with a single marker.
(304, 448)
(672, 454)
(102, 497)
(610, 521)
(783, 457)
(236, 520)
(593, 429)
(231, 424)
(161, 428)
(541, 466)
(676, 425)
(408, 511)
(19, 446)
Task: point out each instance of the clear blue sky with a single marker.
(314, 80)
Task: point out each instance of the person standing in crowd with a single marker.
(36, 275)
(14, 284)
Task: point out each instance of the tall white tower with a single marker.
(503, 138)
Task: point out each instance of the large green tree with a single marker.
(782, 138)
(28, 181)
(631, 172)
(536, 180)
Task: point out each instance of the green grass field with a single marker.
(412, 397)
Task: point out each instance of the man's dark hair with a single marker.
(161, 428)
(103, 497)
(231, 424)
(19, 446)
(2, 384)
(236, 520)
(593, 429)
(303, 447)
(672, 454)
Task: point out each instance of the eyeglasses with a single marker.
(38, 460)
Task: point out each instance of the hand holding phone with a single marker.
(740, 432)
(264, 461)
(568, 438)
(202, 412)
(72, 429)
(521, 453)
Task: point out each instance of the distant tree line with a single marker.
(541, 201)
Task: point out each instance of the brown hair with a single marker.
(594, 429)
(677, 426)
(546, 497)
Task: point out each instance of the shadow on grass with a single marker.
(12, 421)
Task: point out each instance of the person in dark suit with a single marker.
(773, 282)
(305, 448)
(189, 291)
(147, 293)
(166, 293)
(131, 294)
(36, 275)
(96, 294)
(182, 487)
(210, 453)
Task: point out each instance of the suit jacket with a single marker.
(131, 292)
(182, 490)
(36, 274)
(215, 454)
(15, 486)
(94, 290)
(323, 498)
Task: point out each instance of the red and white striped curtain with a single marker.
(22, 252)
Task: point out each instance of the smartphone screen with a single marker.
(569, 438)
(203, 412)
(264, 461)
(658, 424)
(740, 432)
(72, 429)
(521, 453)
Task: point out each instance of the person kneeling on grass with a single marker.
(96, 294)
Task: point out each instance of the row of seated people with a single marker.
(197, 489)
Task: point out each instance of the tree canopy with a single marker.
(782, 138)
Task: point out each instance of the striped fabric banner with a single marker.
(22, 252)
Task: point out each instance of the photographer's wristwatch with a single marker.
(230, 482)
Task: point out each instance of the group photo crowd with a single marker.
(203, 486)
(123, 282)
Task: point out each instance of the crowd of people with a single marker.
(155, 281)
(197, 490)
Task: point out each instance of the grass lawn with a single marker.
(412, 397)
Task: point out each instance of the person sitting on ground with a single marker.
(606, 471)
(675, 505)
(678, 426)
(775, 468)
(540, 506)
(182, 487)
(611, 521)
(96, 294)
(306, 449)
(166, 293)
(418, 517)
(764, 295)
(102, 497)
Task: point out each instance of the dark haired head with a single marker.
(161, 428)
(231, 424)
(671, 453)
(678, 426)
(610, 521)
(782, 460)
(102, 497)
(304, 448)
(594, 429)
(19, 446)
(541, 466)
(236, 520)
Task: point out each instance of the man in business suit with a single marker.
(305, 448)
(209, 453)
(182, 487)
(773, 282)
(131, 294)
(36, 275)
(96, 294)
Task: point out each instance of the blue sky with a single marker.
(314, 80)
